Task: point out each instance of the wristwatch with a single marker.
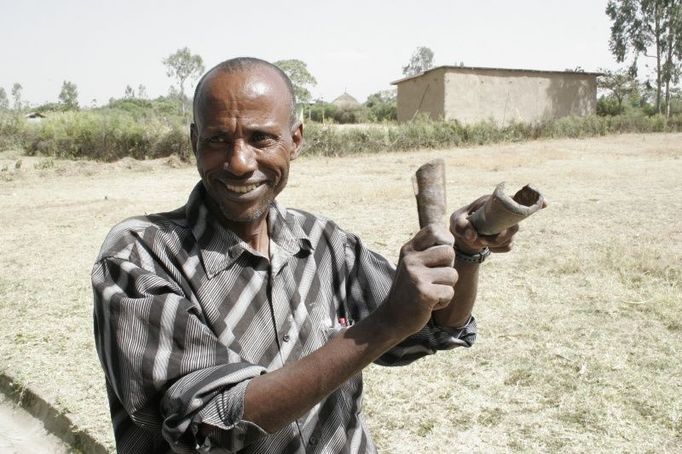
(479, 257)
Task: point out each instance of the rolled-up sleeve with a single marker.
(163, 363)
(369, 280)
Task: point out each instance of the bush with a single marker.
(105, 136)
(608, 105)
(175, 141)
(128, 130)
(324, 112)
(425, 133)
(320, 112)
(383, 106)
(352, 115)
(11, 127)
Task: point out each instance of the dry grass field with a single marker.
(580, 327)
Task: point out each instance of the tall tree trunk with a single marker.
(182, 97)
(658, 58)
(667, 87)
(669, 68)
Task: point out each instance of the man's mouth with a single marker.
(242, 188)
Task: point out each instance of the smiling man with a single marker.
(233, 324)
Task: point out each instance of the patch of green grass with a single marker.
(491, 416)
(44, 164)
(425, 427)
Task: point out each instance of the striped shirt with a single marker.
(186, 313)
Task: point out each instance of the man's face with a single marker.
(243, 141)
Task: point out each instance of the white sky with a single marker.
(358, 46)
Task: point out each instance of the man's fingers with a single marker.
(501, 240)
(461, 227)
(443, 276)
(442, 255)
(505, 247)
(511, 231)
(466, 237)
(432, 235)
(442, 285)
(445, 295)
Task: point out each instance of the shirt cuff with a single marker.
(224, 414)
(449, 337)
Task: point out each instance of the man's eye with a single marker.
(216, 139)
(260, 137)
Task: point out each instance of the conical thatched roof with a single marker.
(345, 101)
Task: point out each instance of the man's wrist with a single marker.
(381, 327)
(463, 247)
(471, 256)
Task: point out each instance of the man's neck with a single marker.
(255, 234)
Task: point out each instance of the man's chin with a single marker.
(242, 213)
(245, 217)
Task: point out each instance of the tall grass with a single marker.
(425, 133)
(108, 135)
(11, 127)
(102, 136)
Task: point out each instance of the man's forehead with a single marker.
(221, 88)
(256, 81)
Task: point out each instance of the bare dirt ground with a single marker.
(580, 333)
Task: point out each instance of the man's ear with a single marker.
(193, 136)
(297, 139)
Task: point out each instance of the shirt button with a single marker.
(313, 440)
(286, 338)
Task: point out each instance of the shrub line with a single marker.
(112, 134)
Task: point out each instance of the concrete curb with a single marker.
(55, 422)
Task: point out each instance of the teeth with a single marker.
(242, 189)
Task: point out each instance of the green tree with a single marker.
(383, 105)
(619, 84)
(129, 93)
(321, 111)
(182, 66)
(4, 102)
(300, 77)
(643, 97)
(652, 28)
(68, 96)
(141, 91)
(676, 100)
(421, 60)
(16, 95)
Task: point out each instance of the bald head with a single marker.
(243, 64)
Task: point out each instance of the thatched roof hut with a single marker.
(346, 101)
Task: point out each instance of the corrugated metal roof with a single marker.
(484, 69)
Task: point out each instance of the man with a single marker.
(233, 324)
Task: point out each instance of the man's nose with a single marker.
(241, 159)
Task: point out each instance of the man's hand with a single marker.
(469, 241)
(424, 280)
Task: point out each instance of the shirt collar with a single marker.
(220, 247)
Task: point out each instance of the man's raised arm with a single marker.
(424, 281)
